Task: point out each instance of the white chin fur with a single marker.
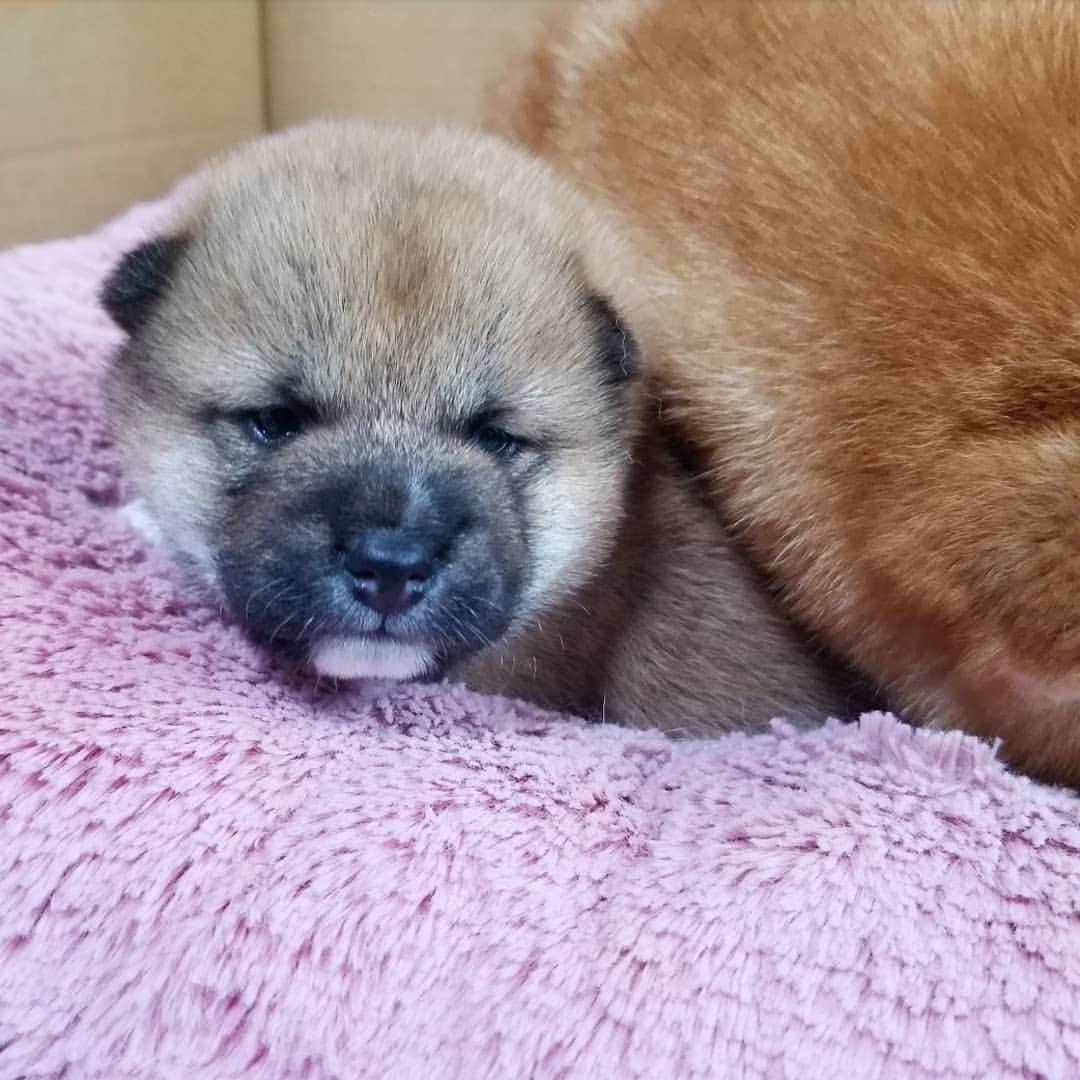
(362, 658)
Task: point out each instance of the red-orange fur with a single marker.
(863, 220)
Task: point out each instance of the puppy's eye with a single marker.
(273, 426)
(497, 442)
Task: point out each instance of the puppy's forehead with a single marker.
(427, 293)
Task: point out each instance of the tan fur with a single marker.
(861, 227)
(676, 631)
(393, 252)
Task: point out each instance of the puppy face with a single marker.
(373, 394)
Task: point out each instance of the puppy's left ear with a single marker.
(140, 279)
(618, 352)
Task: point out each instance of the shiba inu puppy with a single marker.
(377, 394)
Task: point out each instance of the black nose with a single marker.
(390, 568)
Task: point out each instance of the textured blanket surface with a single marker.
(210, 868)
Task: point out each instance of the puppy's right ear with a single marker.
(139, 280)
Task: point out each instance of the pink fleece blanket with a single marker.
(211, 869)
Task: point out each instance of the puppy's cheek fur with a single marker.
(570, 536)
(275, 571)
(482, 595)
(178, 504)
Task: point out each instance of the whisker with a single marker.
(281, 625)
(262, 588)
(276, 597)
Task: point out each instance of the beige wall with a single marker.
(108, 101)
(409, 60)
(104, 102)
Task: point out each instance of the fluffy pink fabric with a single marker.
(211, 869)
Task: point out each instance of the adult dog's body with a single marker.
(862, 221)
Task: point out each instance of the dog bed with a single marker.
(214, 868)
